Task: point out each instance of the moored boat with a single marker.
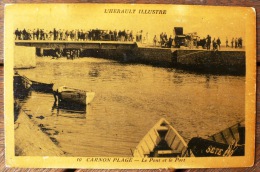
(162, 141)
(35, 85)
(66, 94)
(21, 87)
(228, 142)
(39, 86)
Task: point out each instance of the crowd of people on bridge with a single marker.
(78, 35)
(123, 36)
(164, 41)
(235, 42)
(215, 43)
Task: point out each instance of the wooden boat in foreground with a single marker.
(66, 94)
(162, 141)
(229, 142)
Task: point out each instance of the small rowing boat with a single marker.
(229, 142)
(162, 141)
(66, 94)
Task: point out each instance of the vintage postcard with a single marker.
(114, 86)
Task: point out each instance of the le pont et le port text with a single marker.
(130, 159)
(134, 11)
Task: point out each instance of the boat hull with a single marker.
(228, 142)
(162, 141)
(42, 87)
(207, 148)
(81, 97)
(35, 85)
(21, 87)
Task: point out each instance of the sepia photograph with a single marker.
(129, 86)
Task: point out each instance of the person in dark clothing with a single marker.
(218, 43)
(17, 33)
(208, 42)
(37, 34)
(227, 42)
(123, 35)
(54, 34)
(131, 36)
(24, 34)
(115, 35)
(170, 42)
(214, 44)
(236, 42)
(240, 42)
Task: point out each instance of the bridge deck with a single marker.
(76, 44)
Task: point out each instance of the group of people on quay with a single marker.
(78, 35)
(164, 41)
(215, 43)
(209, 44)
(235, 42)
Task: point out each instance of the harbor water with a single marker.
(129, 100)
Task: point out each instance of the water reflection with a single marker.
(69, 108)
(94, 72)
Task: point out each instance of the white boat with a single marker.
(66, 94)
(162, 141)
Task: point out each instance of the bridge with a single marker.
(77, 44)
(25, 52)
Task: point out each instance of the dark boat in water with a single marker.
(229, 142)
(28, 84)
(21, 87)
(42, 87)
(39, 86)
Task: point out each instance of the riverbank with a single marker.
(31, 141)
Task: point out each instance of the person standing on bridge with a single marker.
(154, 40)
(208, 42)
(227, 42)
(236, 42)
(170, 42)
(37, 34)
(115, 35)
(197, 42)
(218, 43)
(240, 42)
(34, 34)
(141, 36)
(214, 44)
(131, 36)
(17, 34)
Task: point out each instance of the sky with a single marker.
(223, 22)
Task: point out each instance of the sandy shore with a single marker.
(31, 141)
